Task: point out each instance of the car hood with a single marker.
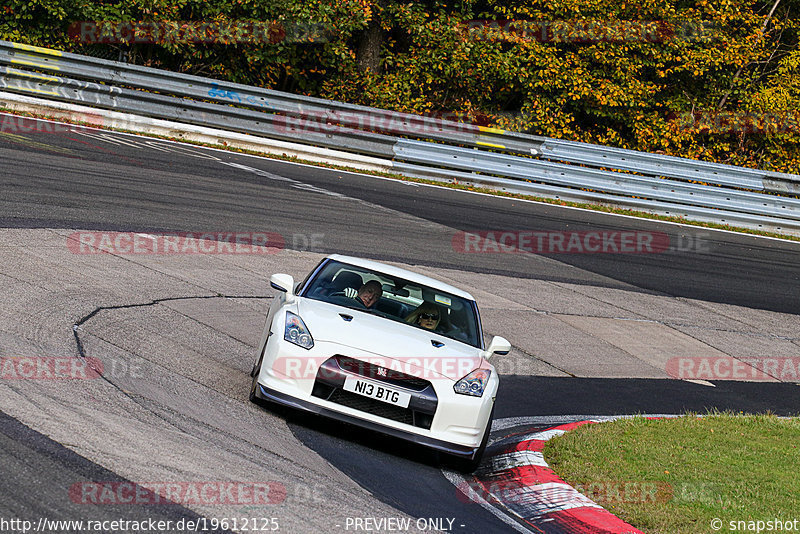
(403, 347)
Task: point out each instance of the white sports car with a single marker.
(382, 348)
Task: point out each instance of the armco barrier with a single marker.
(191, 111)
(420, 146)
(603, 181)
(301, 114)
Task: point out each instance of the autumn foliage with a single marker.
(711, 79)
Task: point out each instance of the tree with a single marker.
(704, 79)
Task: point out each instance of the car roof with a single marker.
(402, 273)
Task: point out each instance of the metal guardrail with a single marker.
(187, 110)
(696, 213)
(300, 112)
(419, 146)
(601, 181)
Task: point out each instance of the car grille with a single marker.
(365, 404)
(331, 377)
(391, 376)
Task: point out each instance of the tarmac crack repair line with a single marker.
(82, 350)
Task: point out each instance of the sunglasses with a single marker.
(434, 316)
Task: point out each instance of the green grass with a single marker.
(682, 473)
(453, 185)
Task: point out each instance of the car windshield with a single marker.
(416, 305)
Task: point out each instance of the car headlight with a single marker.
(296, 331)
(474, 383)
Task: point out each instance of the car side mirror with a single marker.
(498, 345)
(283, 283)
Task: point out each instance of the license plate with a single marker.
(377, 391)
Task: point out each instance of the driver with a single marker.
(368, 294)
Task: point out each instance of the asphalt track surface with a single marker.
(83, 181)
(372, 459)
(38, 474)
(68, 180)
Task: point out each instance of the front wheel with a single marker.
(257, 366)
(254, 373)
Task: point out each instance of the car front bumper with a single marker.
(267, 394)
(441, 419)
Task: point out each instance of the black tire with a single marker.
(253, 388)
(257, 364)
(254, 374)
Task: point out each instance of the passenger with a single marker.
(426, 315)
